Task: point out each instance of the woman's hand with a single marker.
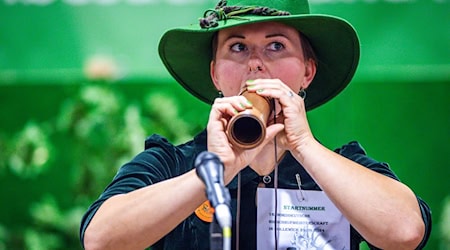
(234, 158)
(291, 106)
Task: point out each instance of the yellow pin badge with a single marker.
(205, 212)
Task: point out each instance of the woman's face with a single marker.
(267, 50)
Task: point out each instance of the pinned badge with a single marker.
(205, 212)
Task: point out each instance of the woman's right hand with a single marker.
(233, 158)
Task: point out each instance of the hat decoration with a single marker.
(222, 12)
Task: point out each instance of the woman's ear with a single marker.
(310, 73)
(213, 75)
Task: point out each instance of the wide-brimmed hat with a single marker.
(187, 52)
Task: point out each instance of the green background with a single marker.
(398, 105)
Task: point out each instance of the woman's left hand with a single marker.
(291, 106)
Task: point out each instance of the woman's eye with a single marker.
(237, 47)
(276, 46)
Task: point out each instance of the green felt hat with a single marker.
(186, 52)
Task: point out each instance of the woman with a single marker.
(273, 50)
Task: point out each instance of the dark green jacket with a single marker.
(161, 161)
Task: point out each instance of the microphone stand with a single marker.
(220, 228)
(210, 170)
(220, 238)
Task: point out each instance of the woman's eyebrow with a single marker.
(238, 36)
(233, 36)
(277, 35)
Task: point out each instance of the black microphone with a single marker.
(210, 170)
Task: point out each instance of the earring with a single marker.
(302, 94)
(220, 94)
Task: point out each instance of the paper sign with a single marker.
(307, 220)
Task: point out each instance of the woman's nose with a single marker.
(256, 69)
(255, 64)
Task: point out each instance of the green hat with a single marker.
(186, 52)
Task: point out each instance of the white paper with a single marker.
(313, 223)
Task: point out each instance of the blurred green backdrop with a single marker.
(81, 86)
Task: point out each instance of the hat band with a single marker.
(211, 18)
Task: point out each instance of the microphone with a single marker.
(209, 169)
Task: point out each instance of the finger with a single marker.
(237, 101)
(234, 104)
(274, 88)
(274, 130)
